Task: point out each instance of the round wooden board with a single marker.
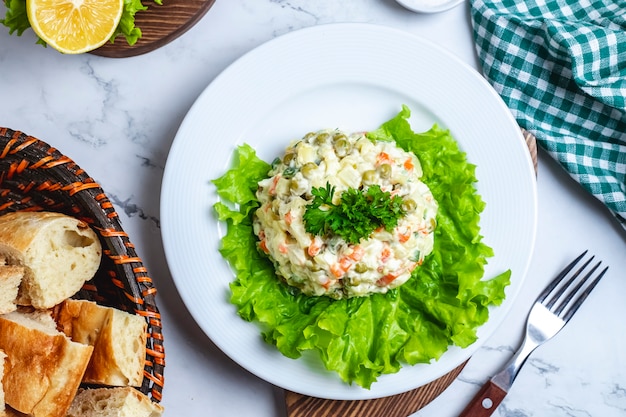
(159, 24)
(400, 405)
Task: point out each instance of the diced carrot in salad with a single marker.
(315, 247)
(387, 279)
(283, 248)
(288, 217)
(338, 270)
(272, 190)
(385, 254)
(404, 235)
(263, 246)
(383, 158)
(357, 253)
(408, 164)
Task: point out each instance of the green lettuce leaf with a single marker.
(126, 27)
(443, 303)
(15, 18)
(239, 184)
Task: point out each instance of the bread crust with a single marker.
(59, 253)
(44, 368)
(119, 341)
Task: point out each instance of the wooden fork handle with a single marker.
(485, 401)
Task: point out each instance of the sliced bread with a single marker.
(118, 338)
(113, 402)
(44, 367)
(59, 254)
(10, 279)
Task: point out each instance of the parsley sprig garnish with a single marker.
(357, 215)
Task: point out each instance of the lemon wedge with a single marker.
(74, 26)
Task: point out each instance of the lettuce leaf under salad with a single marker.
(16, 19)
(361, 338)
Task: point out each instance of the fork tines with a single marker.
(564, 294)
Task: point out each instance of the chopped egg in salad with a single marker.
(326, 263)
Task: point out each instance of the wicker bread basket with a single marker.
(37, 177)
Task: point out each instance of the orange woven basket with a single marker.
(36, 177)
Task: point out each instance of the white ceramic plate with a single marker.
(429, 6)
(352, 77)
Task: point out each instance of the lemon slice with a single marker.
(74, 26)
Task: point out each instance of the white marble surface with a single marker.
(117, 118)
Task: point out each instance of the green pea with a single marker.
(360, 267)
(308, 136)
(308, 169)
(341, 147)
(354, 281)
(322, 138)
(369, 176)
(288, 158)
(338, 136)
(409, 205)
(385, 171)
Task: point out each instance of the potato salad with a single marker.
(326, 263)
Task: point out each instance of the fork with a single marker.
(551, 311)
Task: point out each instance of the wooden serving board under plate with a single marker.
(400, 405)
(159, 24)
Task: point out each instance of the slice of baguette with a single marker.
(59, 254)
(10, 279)
(113, 402)
(118, 338)
(44, 367)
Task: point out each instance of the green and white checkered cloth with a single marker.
(560, 66)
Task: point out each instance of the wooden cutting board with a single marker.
(400, 405)
(159, 25)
